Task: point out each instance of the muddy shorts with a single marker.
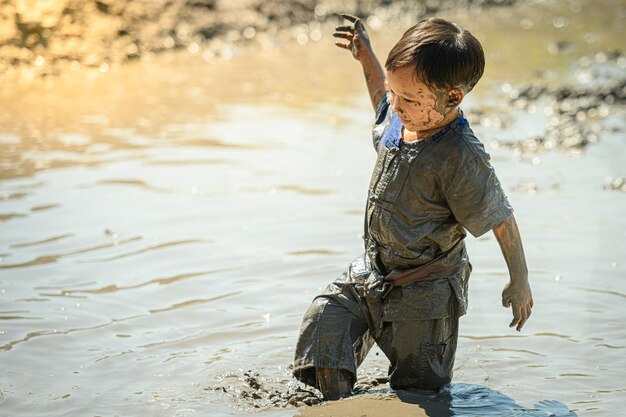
(419, 333)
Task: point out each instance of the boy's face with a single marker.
(419, 107)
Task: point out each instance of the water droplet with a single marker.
(193, 48)
(302, 38)
(320, 10)
(169, 42)
(591, 37)
(557, 278)
(249, 32)
(374, 22)
(315, 35)
(527, 24)
(560, 22)
(601, 57)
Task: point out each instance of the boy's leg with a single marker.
(333, 341)
(334, 383)
(421, 352)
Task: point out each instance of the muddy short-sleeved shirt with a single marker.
(423, 195)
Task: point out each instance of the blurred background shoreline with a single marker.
(47, 37)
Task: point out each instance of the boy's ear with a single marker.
(455, 97)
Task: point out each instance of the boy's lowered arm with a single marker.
(359, 45)
(517, 292)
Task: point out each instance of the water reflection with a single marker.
(469, 400)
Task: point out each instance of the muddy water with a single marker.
(163, 227)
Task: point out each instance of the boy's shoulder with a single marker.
(460, 145)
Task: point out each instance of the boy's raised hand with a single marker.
(356, 35)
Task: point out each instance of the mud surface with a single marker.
(165, 224)
(252, 390)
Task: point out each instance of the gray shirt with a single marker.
(423, 195)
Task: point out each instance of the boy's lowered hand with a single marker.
(519, 297)
(516, 292)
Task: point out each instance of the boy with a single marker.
(431, 182)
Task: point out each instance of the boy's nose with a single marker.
(395, 104)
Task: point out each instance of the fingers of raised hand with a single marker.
(344, 28)
(343, 35)
(349, 17)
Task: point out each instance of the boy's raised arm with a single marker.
(359, 45)
(517, 292)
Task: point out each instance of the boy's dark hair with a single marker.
(445, 55)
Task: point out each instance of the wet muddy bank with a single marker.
(54, 37)
(577, 109)
(263, 390)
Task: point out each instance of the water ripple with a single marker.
(47, 259)
(160, 281)
(530, 352)
(314, 252)
(134, 183)
(304, 190)
(13, 196)
(598, 291)
(193, 302)
(9, 216)
(42, 241)
(177, 306)
(148, 249)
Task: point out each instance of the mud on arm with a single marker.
(517, 293)
(359, 45)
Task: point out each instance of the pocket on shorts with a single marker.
(425, 300)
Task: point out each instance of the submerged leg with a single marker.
(334, 383)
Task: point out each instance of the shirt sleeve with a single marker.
(476, 197)
(381, 121)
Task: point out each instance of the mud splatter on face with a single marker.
(419, 107)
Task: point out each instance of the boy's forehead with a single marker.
(404, 81)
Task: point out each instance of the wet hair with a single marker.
(444, 55)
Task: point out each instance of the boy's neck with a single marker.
(409, 136)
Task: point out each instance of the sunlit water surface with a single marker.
(164, 227)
